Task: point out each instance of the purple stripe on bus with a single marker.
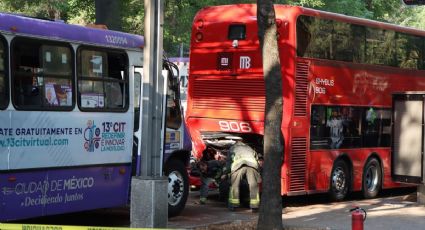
(62, 31)
(47, 192)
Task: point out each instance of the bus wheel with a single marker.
(340, 180)
(372, 178)
(178, 186)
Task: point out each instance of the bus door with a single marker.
(175, 134)
(137, 137)
(173, 116)
(408, 137)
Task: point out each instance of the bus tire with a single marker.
(178, 186)
(372, 178)
(340, 180)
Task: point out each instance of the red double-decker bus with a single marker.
(338, 75)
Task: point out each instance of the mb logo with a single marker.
(245, 62)
(224, 61)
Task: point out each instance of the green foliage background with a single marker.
(179, 14)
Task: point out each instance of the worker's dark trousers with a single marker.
(253, 178)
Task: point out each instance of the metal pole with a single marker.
(149, 198)
(152, 93)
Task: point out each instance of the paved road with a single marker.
(212, 213)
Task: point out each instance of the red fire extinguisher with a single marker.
(358, 216)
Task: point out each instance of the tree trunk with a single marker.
(368, 4)
(108, 12)
(270, 215)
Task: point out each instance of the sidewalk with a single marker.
(382, 213)
(397, 212)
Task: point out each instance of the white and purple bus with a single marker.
(69, 98)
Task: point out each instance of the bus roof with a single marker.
(21, 25)
(248, 13)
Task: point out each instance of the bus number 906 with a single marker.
(235, 126)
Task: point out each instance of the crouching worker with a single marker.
(242, 161)
(210, 171)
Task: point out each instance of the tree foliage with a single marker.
(108, 12)
(180, 13)
(52, 9)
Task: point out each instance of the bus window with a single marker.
(380, 47)
(237, 32)
(102, 80)
(319, 42)
(335, 127)
(3, 80)
(41, 75)
(303, 35)
(173, 113)
(342, 41)
(351, 117)
(318, 136)
(376, 130)
(137, 86)
(183, 87)
(409, 51)
(333, 40)
(359, 41)
(325, 39)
